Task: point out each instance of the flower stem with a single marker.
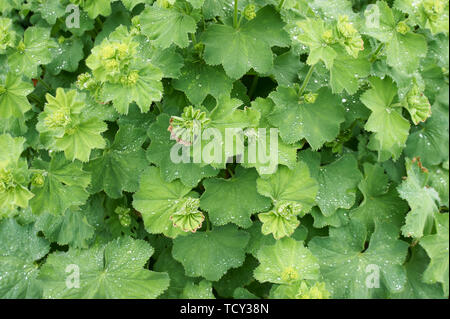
(377, 52)
(280, 5)
(253, 87)
(306, 81)
(48, 87)
(235, 22)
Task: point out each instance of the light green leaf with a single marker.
(421, 198)
(64, 185)
(246, 47)
(238, 198)
(165, 26)
(390, 127)
(13, 96)
(198, 80)
(286, 262)
(346, 266)
(71, 228)
(20, 248)
(221, 249)
(159, 150)
(114, 270)
(436, 246)
(32, 52)
(337, 184)
(119, 167)
(294, 185)
(317, 122)
(381, 203)
(157, 200)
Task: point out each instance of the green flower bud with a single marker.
(38, 180)
(124, 215)
(402, 27)
(188, 217)
(282, 220)
(354, 45)
(191, 122)
(310, 97)
(328, 37)
(249, 12)
(21, 47)
(418, 105)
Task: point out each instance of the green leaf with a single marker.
(439, 180)
(13, 96)
(248, 46)
(286, 262)
(114, 270)
(64, 185)
(312, 36)
(157, 200)
(430, 140)
(222, 249)
(97, 7)
(238, 200)
(347, 71)
(67, 56)
(14, 176)
(20, 248)
(390, 127)
(398, 45)
(147, 89)
(32, 52)
(421, 198)
(198, 80)
(295, 185)
(337, 184)
(436, 246)
(415, 288)
(71, 228)
(159, 152)
(165, 26)
(349, 270)
(285, 68)
(202, 290)
(317, 122)
(381, 203)
(411, 45)
(119, 167)
(66, 126)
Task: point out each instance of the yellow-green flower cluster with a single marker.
(349, 36)
(7, 34)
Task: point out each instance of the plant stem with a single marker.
(48, 87)
(235, 22)
(376, 53)
(208, 223)
(230, 172)
(253, 87)
(280, 5)
(306, 81)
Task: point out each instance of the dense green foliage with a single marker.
(93, 206)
